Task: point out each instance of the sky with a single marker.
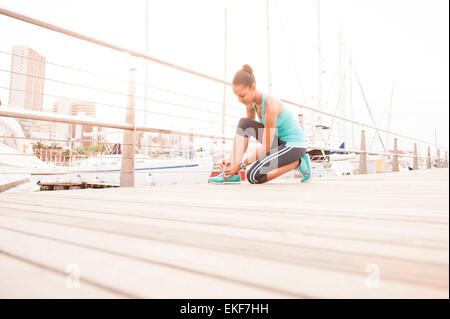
(387, 41)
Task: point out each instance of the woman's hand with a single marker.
(232, 169)
(224, 164)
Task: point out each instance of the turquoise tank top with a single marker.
(287, 128)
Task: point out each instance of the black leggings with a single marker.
(278, 156)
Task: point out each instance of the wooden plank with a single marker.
(31, 280)
(428, 235)
(267, 248)
(299, 239)
(423, 243)
(341, 194)
(135, 278)
(248, 207)
(290, 279)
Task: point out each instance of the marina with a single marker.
(113, 146)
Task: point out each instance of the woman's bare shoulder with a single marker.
(275, 104)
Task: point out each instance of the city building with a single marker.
(27, 85)
(77, 135)
(87, 133)
(62, 131)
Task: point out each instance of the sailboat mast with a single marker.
(224, 76)
(342, 80)
(319, 60)
(146, 64)
(268, 48)
(389, 116)
(351, 98)
(435, 138)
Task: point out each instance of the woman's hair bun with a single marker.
(244, 76)
(248, 68)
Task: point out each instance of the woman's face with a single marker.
(244, 93)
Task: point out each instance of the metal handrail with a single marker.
(71, 119)
(143, 111)
(362, 124)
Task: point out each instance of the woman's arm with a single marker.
(271, 113)
(251, 112)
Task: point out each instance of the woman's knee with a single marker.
(246, 128)
(256, 177)
(244, 123)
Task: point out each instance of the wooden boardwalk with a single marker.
(367, 236)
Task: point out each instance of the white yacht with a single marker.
(106, 169)
(19, 167)
(15, 160)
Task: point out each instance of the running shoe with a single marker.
(305, 168)
(221, 179)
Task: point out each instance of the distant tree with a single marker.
(39, 145)
(55, 146)
(89, 150)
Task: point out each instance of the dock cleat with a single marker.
(221, 179)
(305, 168)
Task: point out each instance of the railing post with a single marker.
(363, 154)
(415, 159)
(445, 160)
(300, 121)
(395, 166)
(429, 158)
(224, 77)
(127, 168)
(438, 158)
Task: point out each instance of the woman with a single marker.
(283, 144)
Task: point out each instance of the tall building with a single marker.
(42, 129)
(66, 132)
(85, 109)
(62, 131)
(26, 89)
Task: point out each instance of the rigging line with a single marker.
(367, 104)
(389, 117)
(342, 78)
(379, 123)
(291, 53)
(335, 112)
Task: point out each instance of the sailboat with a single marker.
(191, 169)
(18, 164)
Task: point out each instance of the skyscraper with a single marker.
(88, 133)
(26, 89)
(85, 109)
(62, 131)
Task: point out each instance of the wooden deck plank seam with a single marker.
(304, 232)
(323, 265)
(158, 263)
(64, 274)
(294, 213)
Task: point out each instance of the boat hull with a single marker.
(151, 172)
